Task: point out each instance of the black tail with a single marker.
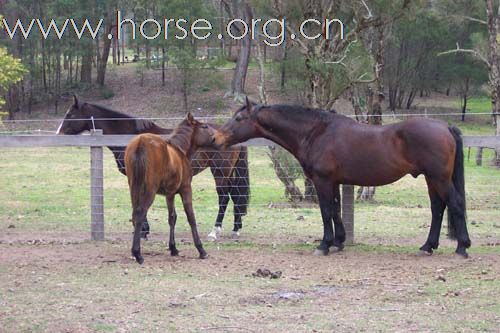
(458, 178)
(137, 183)
(240, 185)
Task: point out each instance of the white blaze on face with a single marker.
(62, 122)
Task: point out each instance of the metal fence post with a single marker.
(348, 212)
(96, 191)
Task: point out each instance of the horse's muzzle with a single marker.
(221, 140)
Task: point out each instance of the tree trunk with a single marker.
(86, 67)
(163, 66)
(114, 49)
(221, 28)
(243, 10)
(283, 67)
(464, 106)
(494, 61)
(103, 62)
(410, 99)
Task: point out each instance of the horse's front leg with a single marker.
(338, 242)
(324, 190)
(187, 201)
(172, 219)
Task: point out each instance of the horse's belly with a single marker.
(375, 177)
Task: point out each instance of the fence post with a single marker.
(96, 191)
(348, 212)
(479, 156)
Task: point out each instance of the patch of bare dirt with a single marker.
(85, 287)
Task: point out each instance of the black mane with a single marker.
(296, 111)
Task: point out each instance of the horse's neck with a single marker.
(155, 129)
(112, 125)
(288, 134)
(182, 140)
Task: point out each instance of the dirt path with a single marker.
(76, 286)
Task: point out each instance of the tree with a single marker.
(11, 72)
(240, 9)
(109, 28)
(489, 57)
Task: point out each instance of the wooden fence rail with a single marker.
(96, 141)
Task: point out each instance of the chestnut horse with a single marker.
(334, 149)
(229, 167)
(154, 165)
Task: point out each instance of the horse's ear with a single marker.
(75, 102)
(190, 118)
(248, 104)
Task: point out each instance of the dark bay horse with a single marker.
(154, 165)
(334, 149)
(229, 167)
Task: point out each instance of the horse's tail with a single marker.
(136, 169)
(240, 185)
(458, 179)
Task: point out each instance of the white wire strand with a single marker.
(390, 115)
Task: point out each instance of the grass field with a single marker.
(481, 104)
(55, 280)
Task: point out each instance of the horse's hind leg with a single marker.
(223, 194)
(456, 215)
(172, 219)
(138, 217)
(187, 201)
(239, 208)
(438, 206)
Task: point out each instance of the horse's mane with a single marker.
(141, 124)
(181, 137)
(301, 113)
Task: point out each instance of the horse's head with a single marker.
(242, 127)
(192, 134)
(203, 134)
(76, 120)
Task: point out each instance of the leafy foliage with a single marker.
(11, 71)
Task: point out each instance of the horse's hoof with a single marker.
(203, 255)
(144, 235)
(235, 234)
(462, 253)
(320, 253)
(214, 234)
(423, 253)
(174, 253)
(336, 249)
(140, 260)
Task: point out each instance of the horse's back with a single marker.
(166, 166)
(370, 155)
